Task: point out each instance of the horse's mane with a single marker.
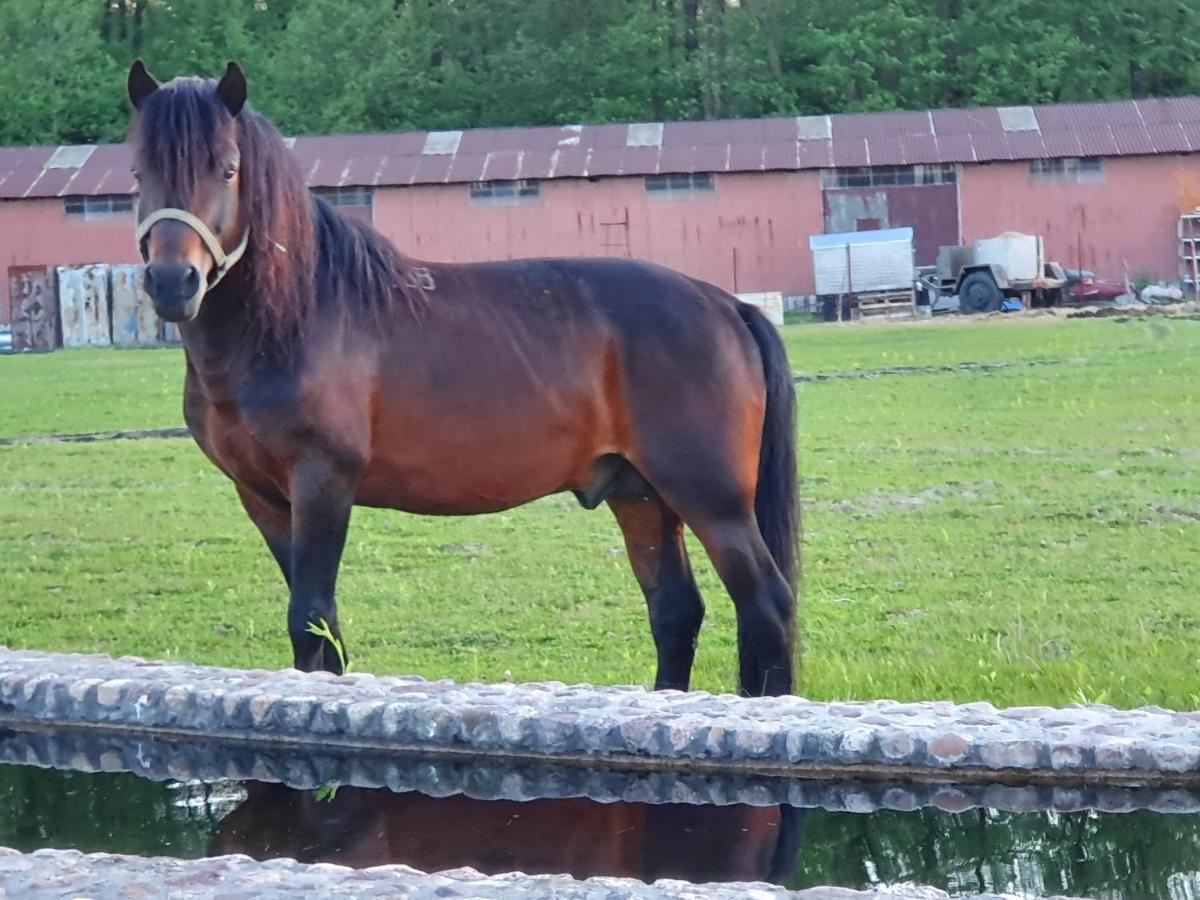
(302, 254)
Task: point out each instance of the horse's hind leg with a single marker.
(654, 540)
(721, 513)
(761, 596)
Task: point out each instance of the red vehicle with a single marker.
(1084, 289)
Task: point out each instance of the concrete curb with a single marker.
(621, 726)
(101, 876)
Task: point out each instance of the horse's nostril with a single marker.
(148, 280)
(191, 277)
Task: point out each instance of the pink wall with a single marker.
(762, 220)
(1128, 217)
(39, 232)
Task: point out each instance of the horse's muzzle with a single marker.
(176, 289)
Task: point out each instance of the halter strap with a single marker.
(222, 261)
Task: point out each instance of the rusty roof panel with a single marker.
(467, 167)
(641, 160)
(849, 151)
(432, 169)
(712, 158)
(607, 161)
(1025, 145)
(1168, 138)
(886, 151)
(1183, 109)
(990, 147)
(326, 172)
(606, 136)
(966, 121)
(361, 169)
(1096, 142)
(501, 165)
(571, 162)
(398, 170)
(746, 157)
(885, 124)
(677, 159)
(536, 164)
(1132, 140)
(955, 148)
(920, 148)
(691, 134)
(1062, 143)
(1085, 129)
(1075, 116)
(53, 182)
(782, 130)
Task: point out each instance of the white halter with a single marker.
(222, 261)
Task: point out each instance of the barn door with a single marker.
(83, 301)
(134, 323)
(34, 308)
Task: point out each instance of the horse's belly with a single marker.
(480, 480)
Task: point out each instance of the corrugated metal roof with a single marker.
(1124, 128)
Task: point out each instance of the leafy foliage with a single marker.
(330, 66)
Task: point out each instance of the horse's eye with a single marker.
(230, 173)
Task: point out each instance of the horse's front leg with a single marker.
(322, 497)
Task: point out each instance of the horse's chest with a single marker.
(229, 440)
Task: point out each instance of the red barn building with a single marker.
(731, 202)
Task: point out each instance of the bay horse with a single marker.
(360, 828)
(326, 370)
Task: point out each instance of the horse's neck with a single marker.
(221, 344)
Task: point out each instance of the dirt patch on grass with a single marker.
(876, 504)
(957, 368)
(89, 437)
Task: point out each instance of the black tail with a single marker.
(777, 500)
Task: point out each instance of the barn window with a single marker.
(518, 191)
(679, 183)
(1070, 169)
(889, 176)
(101, 206)
(345, 196)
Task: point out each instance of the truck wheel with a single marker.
(979, 294)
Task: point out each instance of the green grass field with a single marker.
(1023, 534)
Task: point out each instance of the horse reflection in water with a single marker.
(358, 827)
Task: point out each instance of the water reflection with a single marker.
(359, 827)
(1137, 854)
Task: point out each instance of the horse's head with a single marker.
(191, 227)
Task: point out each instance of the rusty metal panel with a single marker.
(886, 151)
(1062, 143)
(134, 323)
(502, 165)
(850, 152)
(1097, 142)
(932, 213)
(1025, 145)
(811, 154)
(603, 136)
(83, 305)
(435, 169)
(712, 157)
(1132, 140)
(572, 162)
(536, 164)
(398, 170)
(468, 167)
(878, 125)
(34, 308)
(677, 159)
(966, 121)
(742, 158)
(846, 208)
(1168, 138)
(606, 161)
(957, 147)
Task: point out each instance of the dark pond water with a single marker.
(1135, 854)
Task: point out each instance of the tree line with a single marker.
(321, 66)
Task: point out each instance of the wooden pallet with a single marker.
(889, 304)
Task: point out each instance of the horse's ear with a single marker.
(232, 88)
(141, 84)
